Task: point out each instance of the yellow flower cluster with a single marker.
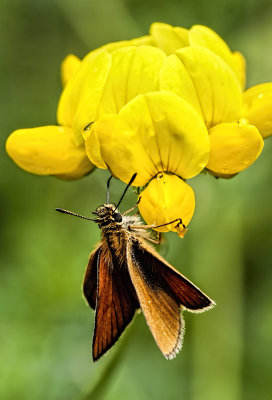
(165, 106)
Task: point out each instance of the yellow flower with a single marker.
(32, 149)
(170, 39)
(60, 150)
(166, 198)
(84, 89)
(133, 71)
(156, 132)
(146, 40)
(257, 107)
(204, 80)
(69, 67)
(164, 106)
(234, 147)
(207, 82)
(71, 63)
(48, 150)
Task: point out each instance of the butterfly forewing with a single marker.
(185, 292)
(116, 302)
(162, 291)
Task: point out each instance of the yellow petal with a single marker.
(258, 107)
(48, 150)
(92, 144)
(169, 38)
(234, 147)
(216, 85)
(200, 35)
(69, 67)
(134, 70)
(146, 40)
(155, 132)
(86, 85)
(166, 198)
(239, 66)
(175, 78)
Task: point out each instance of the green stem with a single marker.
(101, 386)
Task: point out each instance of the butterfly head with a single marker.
(108, 213)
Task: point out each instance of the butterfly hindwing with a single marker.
(116, 302)
(162, 291)
(90, 278)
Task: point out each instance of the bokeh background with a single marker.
(45, 325)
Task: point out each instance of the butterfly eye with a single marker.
(117, 217)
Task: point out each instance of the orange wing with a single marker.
(116, 302)
(90, 279)
(162, 291)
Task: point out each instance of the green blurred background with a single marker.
(45, 325)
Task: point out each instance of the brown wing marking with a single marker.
(90, 278)
(189, 296)
(116, 303)
(160, 290)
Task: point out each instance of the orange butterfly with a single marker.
(124, 273)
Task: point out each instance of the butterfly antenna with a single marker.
(126, 189)
(108, 190)
(74, 214)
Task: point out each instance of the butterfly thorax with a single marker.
(117, 229)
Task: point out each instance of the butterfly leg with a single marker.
(154, 226)
(133, 208)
